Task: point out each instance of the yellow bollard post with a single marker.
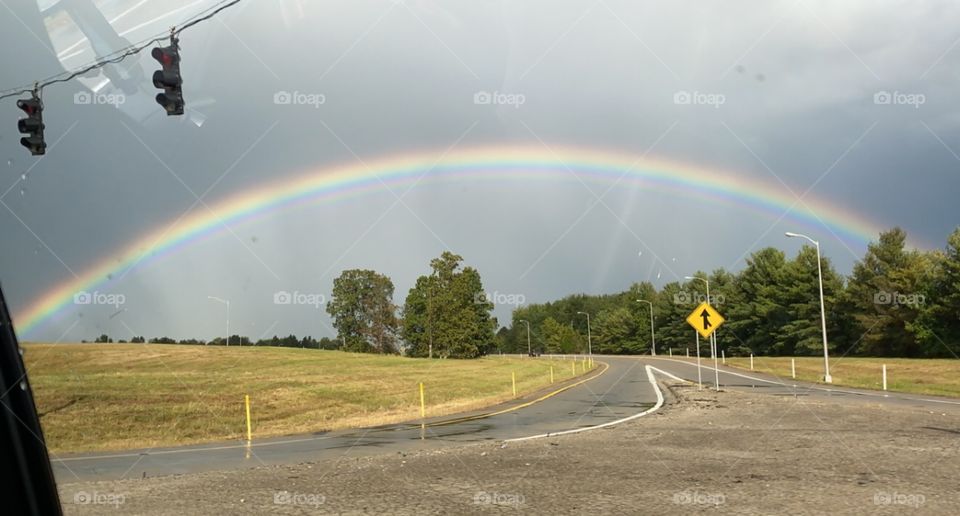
(513, 376)
(246, 401)
(551, 374)
(423, 406)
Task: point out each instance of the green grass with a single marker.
(939, 377)
(120, 396)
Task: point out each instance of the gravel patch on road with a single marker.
(726, 453)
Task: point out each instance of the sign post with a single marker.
(705, 319)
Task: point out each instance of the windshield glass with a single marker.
(460, 180)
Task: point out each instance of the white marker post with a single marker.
(751, 361)
(793, 368)
(724, 356)
(671, 352)
(688, 352)
(699, 378)
(716, 366)
(884, 376)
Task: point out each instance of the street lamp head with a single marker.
(689, 277)
(791, 234)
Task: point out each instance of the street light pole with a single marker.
(589, 339)
(430, 315)
(529, 350)
(823, 314)
(653, 342)
(226, 302)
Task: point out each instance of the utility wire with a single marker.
(121, 54)
(159, 35)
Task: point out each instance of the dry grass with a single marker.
(120, 396)
(918, 376)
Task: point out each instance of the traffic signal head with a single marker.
(168, 78)
(32, 126)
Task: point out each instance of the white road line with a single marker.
(677, 378)
(722, 371)
(811, 387)
(656, 389)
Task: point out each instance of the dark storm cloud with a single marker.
(794, 94)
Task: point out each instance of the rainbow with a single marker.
(500, 163)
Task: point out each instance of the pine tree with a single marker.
(886, 294)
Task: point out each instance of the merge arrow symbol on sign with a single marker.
(705, 319)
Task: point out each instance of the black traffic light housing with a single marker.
(32, 126)
(168, 79)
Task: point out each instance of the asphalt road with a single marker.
(732, 378)
(621, 389)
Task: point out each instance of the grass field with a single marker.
(919, 376)
(118, 396)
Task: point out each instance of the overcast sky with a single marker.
(790, 95)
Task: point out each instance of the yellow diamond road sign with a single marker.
(705, 319)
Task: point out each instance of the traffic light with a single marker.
(168, 79)
(32, 126)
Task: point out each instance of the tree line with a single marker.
(446, 315)
(896, 302)
(290, 341)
